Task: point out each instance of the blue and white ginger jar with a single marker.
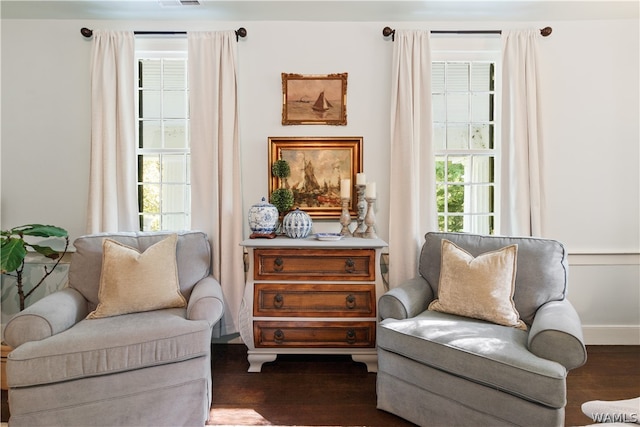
(297, 224)
(263, 218)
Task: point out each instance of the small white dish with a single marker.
(328, 236)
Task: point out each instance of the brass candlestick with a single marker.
(345, 218)
(362, 209)
(370, 219)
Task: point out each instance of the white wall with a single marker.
(590, 89)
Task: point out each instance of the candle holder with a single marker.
(362, 209)
(370, 219)
(345, 218)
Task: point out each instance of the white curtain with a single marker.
(113, 204)
(412, 199)
(216, 203)
(522, 187)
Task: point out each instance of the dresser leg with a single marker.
(371, 360)
(257, 359)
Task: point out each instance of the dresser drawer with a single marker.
(314, 334)
(314, 300)
(314, 264)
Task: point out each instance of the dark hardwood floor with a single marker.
(611, 373)
(334, 391)
(294, 390)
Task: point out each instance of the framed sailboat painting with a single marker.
(318, 166)
(314, 99)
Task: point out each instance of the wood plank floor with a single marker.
(294, 390)
(611, 373)
(334, 391)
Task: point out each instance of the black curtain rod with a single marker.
(240, 32)
(387, 31)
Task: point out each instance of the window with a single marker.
(465, 105)
(163, 151)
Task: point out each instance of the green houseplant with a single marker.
(281, 198)
(14, 249)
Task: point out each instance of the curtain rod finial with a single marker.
(86, 32)
(387, 31)
(546, 31)
(241, 32)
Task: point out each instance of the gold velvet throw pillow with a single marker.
(132, 282)
(480, 287)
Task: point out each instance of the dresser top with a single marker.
(312, 242)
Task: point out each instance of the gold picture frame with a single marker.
(314, 99)
(318, 164)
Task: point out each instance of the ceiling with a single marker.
(322, 10)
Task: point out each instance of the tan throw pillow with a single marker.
(131, 281)
(481, 288)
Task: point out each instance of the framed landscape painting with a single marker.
(314, 99)
(318, 164)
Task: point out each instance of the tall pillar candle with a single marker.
(370, 192)
(361, 179)
(345, 189)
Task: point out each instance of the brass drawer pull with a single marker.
(278, 336)
(351, 301)
(278, 301)
(351, 336)
(349, 265)
(278, 264)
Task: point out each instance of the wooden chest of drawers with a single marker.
(307, 296)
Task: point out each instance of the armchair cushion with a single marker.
(132, 282)
(542, 266)
(110, 345)
(480, 287)
(193, 255)
(479, 351)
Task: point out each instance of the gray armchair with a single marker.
(148, 368)
(436, 368)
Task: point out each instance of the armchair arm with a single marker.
(556, 334)
(206, 301)
(407, 300)
(51, 315)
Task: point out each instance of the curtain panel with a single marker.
(113, 204)
(216, 202)
(412, 210)
(522, 189)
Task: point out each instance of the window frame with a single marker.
(476, 48)
(164, 48)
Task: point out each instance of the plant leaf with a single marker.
(13, 252)
(46, 251)
(40, 230)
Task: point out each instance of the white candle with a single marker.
(370, 192)
(345, 189)
(361, 179)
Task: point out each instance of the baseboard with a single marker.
(228, 339)
(611, 335)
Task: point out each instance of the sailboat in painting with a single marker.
(321, 103)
